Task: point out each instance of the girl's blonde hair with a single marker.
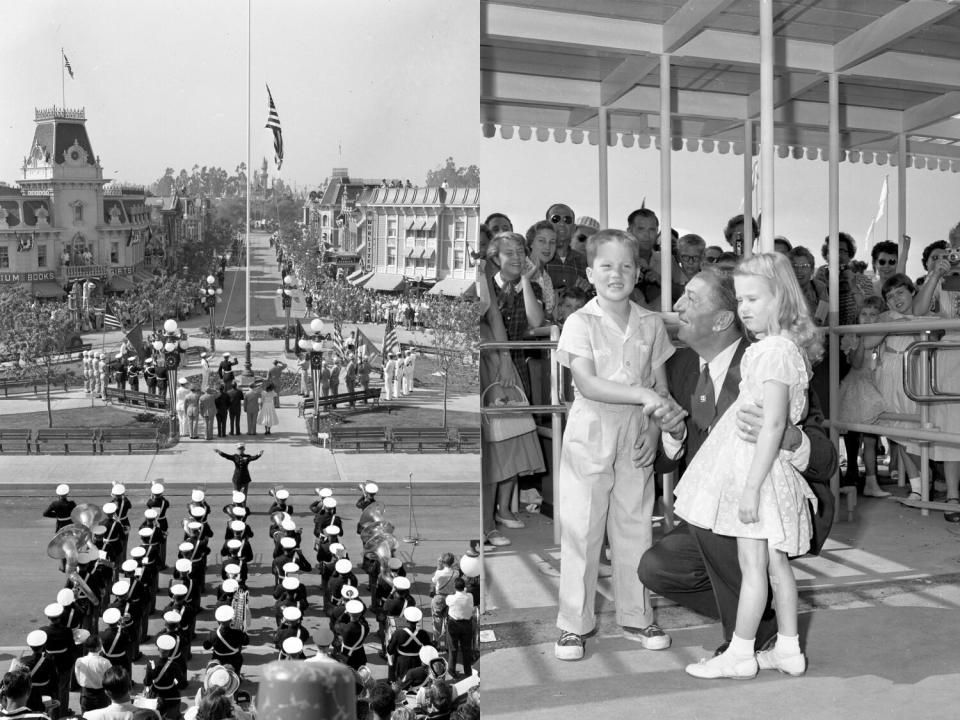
(793, 316)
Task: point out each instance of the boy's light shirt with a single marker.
(719, 367)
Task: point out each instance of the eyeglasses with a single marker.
(568, 219)
(690, 258)
(886, 262)
(802, 266)
(709, 259)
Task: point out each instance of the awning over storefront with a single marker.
(412, 224)
(47, 289)
(354, 275)
(360, 279)
(384, 282)
(453, 287)
(141, 275)
(119, 283)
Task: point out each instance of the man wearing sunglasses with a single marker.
(567, 268)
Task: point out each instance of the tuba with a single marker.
(240, 605)
(66, 546)
(87, 515)
(376, 534)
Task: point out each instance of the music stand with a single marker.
(413, 532)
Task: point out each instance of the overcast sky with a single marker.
(393, 82)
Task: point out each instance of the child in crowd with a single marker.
(442, 582)
(751, 492)
(860, 400)
(569, 300)
(616, 351)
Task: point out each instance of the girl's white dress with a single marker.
(708, 494)
(268, 415)
(860, 400)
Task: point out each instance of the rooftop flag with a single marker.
(66, 64)
(273, 123)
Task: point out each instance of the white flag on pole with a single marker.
(870, 240)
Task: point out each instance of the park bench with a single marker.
(135, 398)
(359, 438)
(420, 438)
(468, 439)
(143, 437)
(79, 437)
(15, 440)
(342, 399)
(7, 383)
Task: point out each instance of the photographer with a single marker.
(733, 233)
(853, 288)
(14, 693)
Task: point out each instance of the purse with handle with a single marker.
(503, 427)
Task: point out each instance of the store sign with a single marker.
(13, 277)
(122, 270)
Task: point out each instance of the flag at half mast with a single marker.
(273, 123)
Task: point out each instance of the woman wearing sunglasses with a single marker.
(885, 257)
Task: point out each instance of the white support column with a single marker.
(901, 188)
(766, 125)
(603, 122)
(666, 219)
(748, 187)
(833, 263)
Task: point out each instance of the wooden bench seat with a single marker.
(143, 437)
(421, 438)
(15, 440)
(359, 438)
(82, 439)
(358, 397)
(468, 439)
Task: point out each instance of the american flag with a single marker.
(391, 343)
(66, 64)
(111, 320)
(273, 123)
(364, 346)
(338, 345)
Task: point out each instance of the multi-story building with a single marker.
(65, 225)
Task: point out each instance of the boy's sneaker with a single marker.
(795, 665)
(651, 637)
(569, 647)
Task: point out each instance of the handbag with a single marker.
(503, 427)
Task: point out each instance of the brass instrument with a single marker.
(66, 546)
(376, 534)
(241, 606)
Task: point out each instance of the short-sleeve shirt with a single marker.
(628, 357)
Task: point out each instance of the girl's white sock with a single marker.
(740, 647)
(915, 485)
(788, 644)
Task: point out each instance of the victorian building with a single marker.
(66, 226)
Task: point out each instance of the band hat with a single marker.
(290, 583)
(145, 532)
(63, 489)
(349, 592)
(99, 530)
(372, 488)
(282, 494)
(337, 548)
(156, 489)
(401, 583)
(111, 616)
(230, 586)
(183, 565)
(354, 607)
(241, 446)
(232, 569)
(120, 587)
(238, 525)
(428, 653)
(234, 544)
(288, 525)
(325, 492)
(203, 354)
(110, 508)
(238, 497)
(197, 511)
(194, 526)
(166, 642)
(332, 530)
(151, 513)
(182, 381)
(290, 568)
(148, 361)
(394, 563)
(118, 489)
(178, 590)
(36, 638)
(224, 613)
(138, 552)
(239, 512)
(197, 495)
(288, 543)
(53, 610)
(185, 547)
(293, 645)
(129, 566)
(329, 503)
(172, 617)
(343, 566)
(226, 354)
(66, 597)
(292, 613)
(412, 614)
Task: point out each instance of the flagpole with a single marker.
(63, 82)
(248, 365)
(886, 205)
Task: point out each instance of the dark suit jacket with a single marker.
(236, 399)
(683, 371)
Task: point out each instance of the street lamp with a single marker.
(315, 348)
(211, 296)
(285, 292)
(167, 349)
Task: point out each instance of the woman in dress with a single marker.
(268, 413)
(541, 247)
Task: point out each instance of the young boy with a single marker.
(616, 351)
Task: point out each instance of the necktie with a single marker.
(703, 403)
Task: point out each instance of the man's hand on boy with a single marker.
(645, 448)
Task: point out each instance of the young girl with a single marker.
(860, 400)
(733, 487)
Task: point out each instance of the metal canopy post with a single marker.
(604, 173)
(748, 188)
(766, 125)
(833, 263)
(666, 219)
(901, 190)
